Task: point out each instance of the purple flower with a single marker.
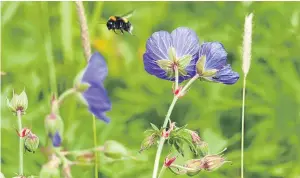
(56, 140)
(96, 96)
(212, 65)
(165, 51)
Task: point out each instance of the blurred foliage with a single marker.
(41, 51)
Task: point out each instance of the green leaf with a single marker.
(154, 127)
(178, 146)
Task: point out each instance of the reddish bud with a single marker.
(24, 132)
(169, 161)
(165, 133)
(195, 137)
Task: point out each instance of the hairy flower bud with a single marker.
(193, 166)
(114, 150)
(212, 162)
(149, 141)
(18, 103)
(53, 124)
(200, 144)
(31, 143)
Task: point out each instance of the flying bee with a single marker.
(120, 23)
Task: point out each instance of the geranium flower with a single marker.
(96, 96)
(165, 52)
(212, 65)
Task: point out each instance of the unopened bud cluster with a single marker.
(177, 137)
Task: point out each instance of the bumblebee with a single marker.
(120, 23)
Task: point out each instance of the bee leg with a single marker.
(115, 31)
(122, 32)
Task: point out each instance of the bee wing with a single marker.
(128, 15)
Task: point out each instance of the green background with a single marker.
(41, 52)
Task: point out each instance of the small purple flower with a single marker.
(212, 65)
(96, 96)
(56, 140)
(165, 52)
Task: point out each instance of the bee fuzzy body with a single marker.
(119, 23)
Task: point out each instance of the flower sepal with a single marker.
(18, 103)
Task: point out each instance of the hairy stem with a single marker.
(95, 145)
(162, 139)
(243, 128)
(20, 144)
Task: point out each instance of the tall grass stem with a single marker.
(243, 128)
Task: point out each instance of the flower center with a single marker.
(169, 65)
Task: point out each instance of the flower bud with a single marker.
(169, 161)
(49, 171)
(18, 103)
(148, 142)
(201, 145)
(114, 150)
(193, 166)
(212, 162)
(166, 133)
(31, 143)
(24, 132)
(53, 124)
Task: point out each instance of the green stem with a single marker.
(95, 145)
(243, 128)
(184, 168)
(162, 139)
(65, 94)
(20, 144)
(162, 171)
